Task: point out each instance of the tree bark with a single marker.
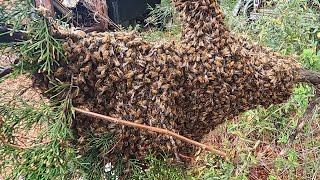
(309, 76)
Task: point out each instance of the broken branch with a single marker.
(309, 76)
(312, 108)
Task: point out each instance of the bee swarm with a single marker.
(187, 87)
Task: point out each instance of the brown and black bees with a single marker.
(188, 88)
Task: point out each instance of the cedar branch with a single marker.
(153, 129)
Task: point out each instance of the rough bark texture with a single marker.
(187, 87)
(309, 76)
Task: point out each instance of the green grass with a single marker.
(156, 35)
(257, 138)
(157, 169)
(162, 15)
(290, 29)
(260, 136)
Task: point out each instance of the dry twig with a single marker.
(312, 108)
(153, 129)
(313, 78)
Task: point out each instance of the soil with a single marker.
(20, 88)
(259, 173)
(6, 59)
(14, 90)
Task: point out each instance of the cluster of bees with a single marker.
(188, 87)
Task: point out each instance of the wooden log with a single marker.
(309, 76)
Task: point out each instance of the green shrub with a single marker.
(290, 28)
(161, 15)
(310, 59)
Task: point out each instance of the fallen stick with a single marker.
(153, 129)
(8, 34)
(312, 108)
(313, 77)
(5, 71)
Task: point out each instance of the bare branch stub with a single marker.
(309, 76)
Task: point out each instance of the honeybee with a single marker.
(188, 87)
